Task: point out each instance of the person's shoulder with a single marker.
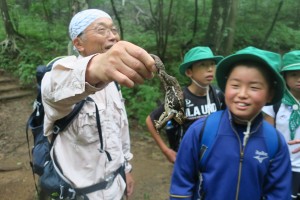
(216, 88)
(156, 112)
(268, 110)
(220, 95)
(185, 90)
(67, 58)
(198, 124)
(62, 60)
(158, 108)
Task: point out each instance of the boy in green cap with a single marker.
(241, 163)
(287, 117)
(201, 98)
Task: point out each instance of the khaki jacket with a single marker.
(77, 148)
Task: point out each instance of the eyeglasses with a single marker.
(103, 31)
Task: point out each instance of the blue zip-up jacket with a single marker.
(232, 171)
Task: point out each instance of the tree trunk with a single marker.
(139, 13)
(161, 26)
(255, 6)
(118, 18)
(187, 45)
(78, 5)
(47, 13)
(272, 25)
(297, 15)
(9, 44)
(24, 3)
(216, 30)
(204, 8)
(195, 18)
(229, 40)
(169, 19)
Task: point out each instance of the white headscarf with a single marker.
(83, 19)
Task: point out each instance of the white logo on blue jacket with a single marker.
(260, 156)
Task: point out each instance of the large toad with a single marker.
(174, 100)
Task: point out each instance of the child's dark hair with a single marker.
(260, 66)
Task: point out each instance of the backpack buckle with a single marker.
(36, 106)
(109, 180)
(72, 192)
(56, 129)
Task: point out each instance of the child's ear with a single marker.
(188, 72)
(77, 42)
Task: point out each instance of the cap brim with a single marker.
(227, 63)
(291, 68)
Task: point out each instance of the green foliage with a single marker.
(27, 66)
(145, 40)
(141, 100)
(6, 62)
(32, 54)
(43, 42)
(284, 39)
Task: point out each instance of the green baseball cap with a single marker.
(270, 59)
(197, 54)
(291, 61)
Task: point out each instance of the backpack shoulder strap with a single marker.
(276, 107)
(62, 123)
(210, 129)
(208, 134)
(117, 85)
(272, 139)
(54, 59)
(218, 97)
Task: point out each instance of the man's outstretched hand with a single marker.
(124, 63)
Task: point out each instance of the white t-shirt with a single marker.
(282, 125)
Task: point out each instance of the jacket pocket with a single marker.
(87, 124)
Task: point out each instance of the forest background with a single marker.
(33, 32)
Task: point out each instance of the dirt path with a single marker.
(151, 169)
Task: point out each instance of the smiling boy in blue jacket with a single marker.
(239, 165)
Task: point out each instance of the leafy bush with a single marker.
(141, 100)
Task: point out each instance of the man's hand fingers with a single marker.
(125, 74)
(135, 69)
(140, 54)
(135, 63)
(125, 63)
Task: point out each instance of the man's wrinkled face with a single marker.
(98, 37)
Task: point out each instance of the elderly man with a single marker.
(89, 153)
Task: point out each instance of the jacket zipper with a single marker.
(242, 150)
(240, 164)
(240, 174)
